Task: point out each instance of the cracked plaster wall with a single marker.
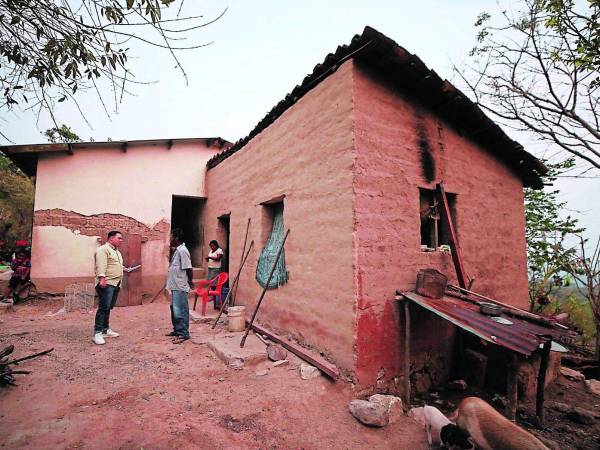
(81, 196)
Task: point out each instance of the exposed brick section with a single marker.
(100, 224)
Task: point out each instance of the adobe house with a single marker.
(83, 190)
(353, 155)
(349, 161)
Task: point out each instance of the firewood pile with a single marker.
(7, 374)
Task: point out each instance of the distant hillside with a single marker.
(565, 292)
(16, 203)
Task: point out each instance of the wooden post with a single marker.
(407, 353)
(511, 388)
(456, 256)
(541, 382)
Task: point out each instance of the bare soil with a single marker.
(141, 391)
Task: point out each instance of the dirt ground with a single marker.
(142, 391)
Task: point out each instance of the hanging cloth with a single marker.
(269, 253)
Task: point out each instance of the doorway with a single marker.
(186, 213)
(223, 238)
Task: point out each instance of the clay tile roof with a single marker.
(410, 73)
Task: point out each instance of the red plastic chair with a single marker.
(208, 289)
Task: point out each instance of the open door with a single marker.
(223, 238)
(131, 286)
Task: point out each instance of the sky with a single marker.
(260, 50)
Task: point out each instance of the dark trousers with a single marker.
(180, 313)
(107, 298)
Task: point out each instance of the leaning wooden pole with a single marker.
(234, 288)
(455, 249)
(407, 392)
(249, 327)
(158, 293)
(225, 302)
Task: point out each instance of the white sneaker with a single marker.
(110, 333)
(98, 339)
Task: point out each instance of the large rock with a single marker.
(6, 306)
(572, 374)
(308, 372)
(580, 415)
(393, 406)
(593, 387)
(369, 413)
(276, 352)
(558, 406)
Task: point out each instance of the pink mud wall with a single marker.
(307, 156)
(138, 184)
(387, 177)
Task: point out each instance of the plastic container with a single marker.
(236, 318)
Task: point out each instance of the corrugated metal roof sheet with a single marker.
(408, 72)
(522, 336)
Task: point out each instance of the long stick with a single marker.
(243, 341)
(234, 285)
(511, 310)
(456, 256)
(156, 295)
(35, 355)
(234, 288)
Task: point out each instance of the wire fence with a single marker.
(79, 297)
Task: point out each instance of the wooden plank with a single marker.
(407, 393)
(456, 256)
(131, 286)
(135, 278)
(37, 148)
(541, 382)
(323, 365)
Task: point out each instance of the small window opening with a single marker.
(434, 231)
(273, 233)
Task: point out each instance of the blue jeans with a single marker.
(180, 313)
(107, 297)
